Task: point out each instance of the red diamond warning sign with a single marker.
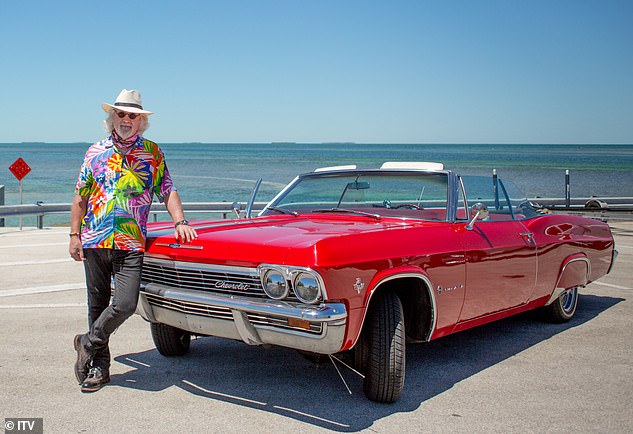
(19, 168)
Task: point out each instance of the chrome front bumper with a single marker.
(319, 329)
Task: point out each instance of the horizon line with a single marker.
(347, 142)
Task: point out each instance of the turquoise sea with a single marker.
(227, 172)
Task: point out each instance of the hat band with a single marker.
(128, 104)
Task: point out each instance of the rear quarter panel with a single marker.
(561, 237)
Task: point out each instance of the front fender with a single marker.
(357, 316)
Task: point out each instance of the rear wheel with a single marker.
(170, 341)
(563, 308)
(380, 352)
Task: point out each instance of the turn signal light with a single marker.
(299, 323)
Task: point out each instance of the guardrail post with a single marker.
(567, 190)
(40, 221)
(1, 203)
(495, 186)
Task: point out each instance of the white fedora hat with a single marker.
(127, 101)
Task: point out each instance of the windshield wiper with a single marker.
(282, 210)
(349, 211)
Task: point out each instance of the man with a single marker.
(114, 192)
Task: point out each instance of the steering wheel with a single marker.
(408, 205)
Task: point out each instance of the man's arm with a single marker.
(77, 213)
(174, 206)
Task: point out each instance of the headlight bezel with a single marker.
(282, 274)
(297, 276)
(292, 275)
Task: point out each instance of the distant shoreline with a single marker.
(331, 143)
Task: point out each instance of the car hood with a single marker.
(270, 239)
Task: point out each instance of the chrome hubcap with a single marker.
(568, 299)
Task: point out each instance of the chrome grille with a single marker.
(202, 277)
(189, 308)
(223, 313)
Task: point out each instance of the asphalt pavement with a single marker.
(517, 375)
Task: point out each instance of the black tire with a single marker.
(169, 340)
(380, 352)
(563, 308)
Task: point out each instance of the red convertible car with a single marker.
(366, 261)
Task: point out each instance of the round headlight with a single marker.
(275, 285)
(306, 288)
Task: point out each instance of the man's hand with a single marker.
(75, 249)
(185, 233)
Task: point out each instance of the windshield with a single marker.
(384, 194)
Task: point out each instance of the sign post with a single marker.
(20, 169)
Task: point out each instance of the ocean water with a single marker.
(228, 172)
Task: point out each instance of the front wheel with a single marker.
(563, 308)
(170, 341)
(381, 349)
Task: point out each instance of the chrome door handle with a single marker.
(527, 236)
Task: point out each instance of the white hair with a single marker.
(108, 123)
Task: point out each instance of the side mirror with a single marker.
(237, 208)
(478, 211)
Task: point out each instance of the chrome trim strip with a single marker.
(279, 195)
(429, 288)
(558, 291)
(614, 256)
(180, 246)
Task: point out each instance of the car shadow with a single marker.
(281, 381)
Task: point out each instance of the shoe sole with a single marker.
(96, 387)
(78, 372)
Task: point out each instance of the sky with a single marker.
(258, 71)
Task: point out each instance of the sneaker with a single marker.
(82, 365)
(97, 378)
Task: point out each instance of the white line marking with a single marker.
(44, 261)
(210, 392)
(311, 416)
(611, 285)
(40, 306)
(18, 246)
(42, 289)
(31, 233)
(138, 363)
(263, 404)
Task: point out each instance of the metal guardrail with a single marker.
(603, 208)
(40, 209)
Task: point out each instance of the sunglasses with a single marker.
(121, 114)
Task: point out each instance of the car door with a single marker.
(500, 254)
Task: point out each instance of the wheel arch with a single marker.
(418, 302)
(574, 273)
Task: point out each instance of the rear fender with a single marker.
(574, 273)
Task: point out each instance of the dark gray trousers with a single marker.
(104, 316)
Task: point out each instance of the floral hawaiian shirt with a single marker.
(120, 189)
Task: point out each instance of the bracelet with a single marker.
(72, 234)
(182, 222)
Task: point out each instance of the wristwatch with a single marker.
(182, 222)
